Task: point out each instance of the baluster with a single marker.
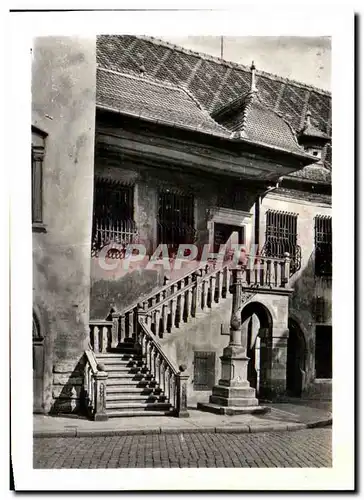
(155, 364)
(282, 266)
(269, 278)
(287, 262)
(168, 382)
(172, 306)
(188, 299)
(220, 277)
(164, 318)
(198, 298)
(163, 380)
(92, 340)
(96, 339)
(277, 274)
(263, 272)
(224, 280)
(104, 335)
(157, 319)
(181, 305)
(213, 290)
(122, 328)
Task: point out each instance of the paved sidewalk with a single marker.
(282, 416)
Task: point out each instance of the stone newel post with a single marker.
(233, 393)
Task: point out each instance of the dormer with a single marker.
(312, 139)
(252, 120)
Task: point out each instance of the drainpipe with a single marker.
(258, 202)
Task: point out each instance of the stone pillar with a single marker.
(100, 395)
(233, 394)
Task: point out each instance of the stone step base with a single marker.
(138, 413)
(238, 402)
(136, 405)
(232, 410)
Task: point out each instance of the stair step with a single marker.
(121, 355)
(130, 398)
(120, 362)
(138, 413)
(127, 375)
(116, 389)
(128, 383)
(122, 368)
(129, 405)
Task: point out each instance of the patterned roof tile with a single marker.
(155, 101)
(213, 82)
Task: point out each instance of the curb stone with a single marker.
(238, 429)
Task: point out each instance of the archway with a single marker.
(38, 367)
(296, 359)
(257, 321)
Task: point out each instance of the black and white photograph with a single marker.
(181, 256)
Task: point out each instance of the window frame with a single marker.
(37, 178)
(323, 263)
(277, 224)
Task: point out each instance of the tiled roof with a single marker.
(156, 101)
(315, 173)
(213, 81)
(250, 118)
(302, 195)
(312, 131)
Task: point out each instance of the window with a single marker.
(323, 351)
(113, 220)
(37, 175)
(281, 237)
(323, 246)
(175, 219)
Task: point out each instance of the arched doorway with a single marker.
(257, 323)
(38, 367)
(296, 359)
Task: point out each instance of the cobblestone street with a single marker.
(303, 448)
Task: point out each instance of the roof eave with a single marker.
(297, 154)
(161, 122)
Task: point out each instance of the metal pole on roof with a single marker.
(222, 46)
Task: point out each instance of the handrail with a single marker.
(179, 292)
(170, 379)
(90, 356)
(164, 288)
(95, 383)
(148, 332)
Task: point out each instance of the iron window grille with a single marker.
(281, 237)
(323, 246)
(175, 221)
(113, 217)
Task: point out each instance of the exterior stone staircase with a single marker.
(131, 388)
(124, 380)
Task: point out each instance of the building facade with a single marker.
(138, 144)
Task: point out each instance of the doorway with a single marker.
(257, 321)
(296, 359)
(222, 233)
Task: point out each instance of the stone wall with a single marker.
(113, 284)
(63, 107)
(204, 333)
(307, 287)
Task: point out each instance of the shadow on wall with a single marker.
(122, 292)
(310, 303)
(68, 392)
